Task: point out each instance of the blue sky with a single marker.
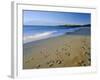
(54, 18)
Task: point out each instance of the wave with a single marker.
(47, 34)
(38, 36)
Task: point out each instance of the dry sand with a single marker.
(62, 51)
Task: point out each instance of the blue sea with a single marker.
(33, 33)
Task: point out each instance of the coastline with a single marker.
(47, 35)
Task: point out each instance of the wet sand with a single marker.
(62, 51)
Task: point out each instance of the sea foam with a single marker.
(39, 36)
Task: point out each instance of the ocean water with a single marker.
(33, 33)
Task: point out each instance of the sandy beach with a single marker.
(61, 51)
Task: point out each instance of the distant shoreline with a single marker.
(81, 31)
(65, 25)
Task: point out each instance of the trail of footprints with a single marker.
(51, 63)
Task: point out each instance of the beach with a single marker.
(56, 39)
(61, 51)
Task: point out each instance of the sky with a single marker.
(55, 18)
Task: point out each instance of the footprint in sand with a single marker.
(67, 53)
(58, 61)
(81, 63)
(84, 64)
(58, 51)
(38, 66)
(50, 63)
(83, 47)
(87, 53)
(89, 59)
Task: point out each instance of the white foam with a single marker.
(38, 36)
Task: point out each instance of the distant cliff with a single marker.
(70, 25)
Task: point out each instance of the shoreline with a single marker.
(82, 31)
